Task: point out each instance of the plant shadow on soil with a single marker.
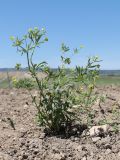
(75, 130)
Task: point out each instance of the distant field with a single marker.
(18, 74)
(108, 80)
(5, 77)
(4, 83)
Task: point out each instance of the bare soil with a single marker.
(21, 138)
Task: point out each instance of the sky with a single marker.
(92, 23)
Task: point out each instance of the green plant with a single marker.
(23, 83)
(17, 67)
(64, 94)
(115, 127)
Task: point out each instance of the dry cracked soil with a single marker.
(21, 138)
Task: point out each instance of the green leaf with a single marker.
(12, 38)
(76, 51)
(67, 61)
(64, 48)
(46, 39)
(18, 65)
(82, 46)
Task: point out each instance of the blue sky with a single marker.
(93, 23)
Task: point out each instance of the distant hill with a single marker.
(102, 72)
(11, 69)
(110, 72)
